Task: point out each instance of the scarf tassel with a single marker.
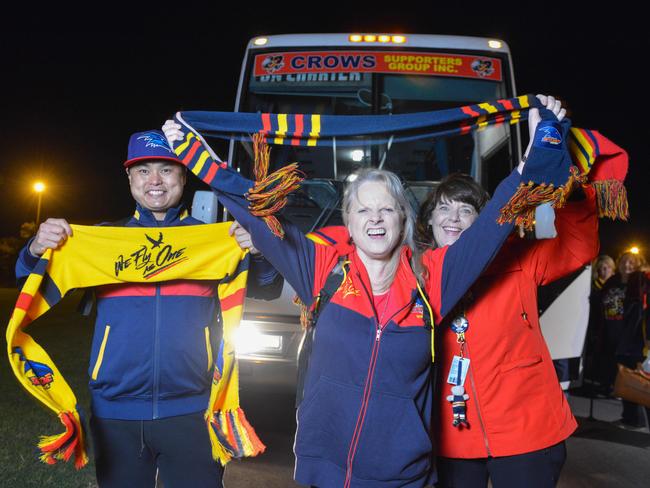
(305, 312)
(611, 197)
(61, 447)
(269, 195)
(232, 436)
(520, 209)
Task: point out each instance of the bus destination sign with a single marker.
(388, 62)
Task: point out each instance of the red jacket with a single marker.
(515, 402)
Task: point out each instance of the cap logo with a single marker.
(151, 139)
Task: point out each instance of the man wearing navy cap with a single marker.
(150, 368)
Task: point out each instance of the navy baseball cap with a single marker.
(150, 144)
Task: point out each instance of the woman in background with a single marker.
(623, 312)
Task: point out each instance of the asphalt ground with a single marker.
(600, 455)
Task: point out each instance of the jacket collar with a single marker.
(146, 218)
(403, 290)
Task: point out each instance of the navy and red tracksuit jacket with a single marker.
(156, 338)
(365, 420)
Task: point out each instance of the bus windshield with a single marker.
(275, 83)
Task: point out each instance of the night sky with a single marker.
(74, 90)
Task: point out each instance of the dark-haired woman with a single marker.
(516, 417)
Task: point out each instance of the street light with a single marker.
(39, 188)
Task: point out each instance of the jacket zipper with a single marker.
(156, 355)
(368, 385)
(478, 407)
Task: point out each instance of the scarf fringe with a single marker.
(520, 209)
(61, 447)
(611, 197)
(305, 312)
(232, 436)
(269, 195)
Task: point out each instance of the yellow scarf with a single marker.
(96, 256)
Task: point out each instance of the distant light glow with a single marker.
(260, 41)
(494, 44)
(357, 155)
(39, 187)
(634, 250)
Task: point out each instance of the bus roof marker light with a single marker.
(260, 41)
(399, 39)
(370, 38)
(356, 38)
(494, 44)
(384, 38)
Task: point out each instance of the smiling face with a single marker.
(157, 185)
(374, 221)
(604, 270)
(627, 264)
(449, 219)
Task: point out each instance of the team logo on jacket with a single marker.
(482, 67)
(153, 257)
(38, 373)
(347, 288)
(418, 308)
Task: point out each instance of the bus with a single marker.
(363, 74)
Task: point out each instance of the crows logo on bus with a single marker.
(38, 373)
(273, 63)
(482, 67)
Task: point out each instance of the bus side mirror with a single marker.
(205, 206)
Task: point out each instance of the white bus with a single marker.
(363, 74)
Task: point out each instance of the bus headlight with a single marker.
(249, 339)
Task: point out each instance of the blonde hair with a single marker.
(394, 187)
(603, 258)
(639, 260)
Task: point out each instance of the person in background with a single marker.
(624, 313)
(602, 268)
(612, 311)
